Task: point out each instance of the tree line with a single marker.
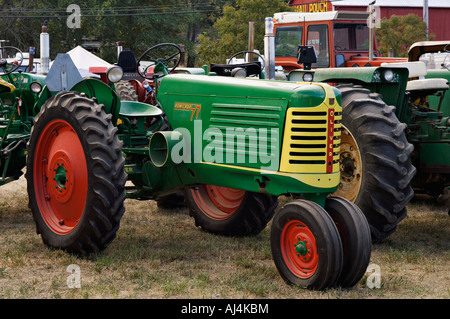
(209, 30)
(196, 24)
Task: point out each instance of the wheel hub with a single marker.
(347, 166)
(350, 165)
(301, 248)
(218, 202)
(61, 175)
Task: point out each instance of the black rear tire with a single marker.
(126, 91)
(100, 151)
(251, 213)
(386, 170)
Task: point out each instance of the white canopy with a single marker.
(83, 60)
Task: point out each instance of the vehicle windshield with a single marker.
(438, 60)
(287, 40)
(351, 36)
(318, 37)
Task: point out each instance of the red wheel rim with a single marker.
(298, 247)
(218, 202)
(60, 177)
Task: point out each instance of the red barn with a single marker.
(438, 10)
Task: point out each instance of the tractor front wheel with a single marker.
(75, 174)
(356, 240)
(306, 246)
(229, 211)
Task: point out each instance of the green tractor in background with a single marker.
(231, 145)
(376, 173)
(414, 107)
(429, 121)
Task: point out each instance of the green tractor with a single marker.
(421, 110)
(231, 145)
(428, 119)
(375, 154)
(411, 101)
(375, 157)
(18, 94)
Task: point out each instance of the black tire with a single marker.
(302, 222)
(356, 240)
(249, 218)
(126, 91)
(102, 185)
(386, 170)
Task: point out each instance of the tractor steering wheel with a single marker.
(252, 52)
(9, 61)
(161, 66)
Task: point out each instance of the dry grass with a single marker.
(160, 254)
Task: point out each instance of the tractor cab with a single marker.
(340, 38)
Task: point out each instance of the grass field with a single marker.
(160, 254)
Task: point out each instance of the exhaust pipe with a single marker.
(269, 49)
(45, 49)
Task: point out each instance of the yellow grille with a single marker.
(311, 139)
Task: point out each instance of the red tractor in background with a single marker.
(340, 38)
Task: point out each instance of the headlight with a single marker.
(36, 87)
(388, 75)
(308, 77)
(114, 74)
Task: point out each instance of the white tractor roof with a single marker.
(292, 17)
(392, 3)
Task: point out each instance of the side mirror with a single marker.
(306, 55)
(340, 60)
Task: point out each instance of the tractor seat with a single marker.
(427, 84)
(252, 68)
(138, 109)
(6, 87)
(127, 61)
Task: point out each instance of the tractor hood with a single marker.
(215, 108)
(217, 89)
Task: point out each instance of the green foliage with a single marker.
(141, 24)
(138, 24)
(230, 32)
(399, 33)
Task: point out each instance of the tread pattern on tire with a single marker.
(126, 91)
(106, 175)
(386, 153)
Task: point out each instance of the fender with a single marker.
(93, 89)
(102, 92)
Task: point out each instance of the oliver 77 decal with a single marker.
(190, 107)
